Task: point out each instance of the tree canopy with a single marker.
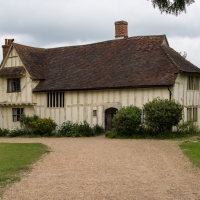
(174, 7)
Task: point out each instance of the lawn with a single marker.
(16, 158)
(192, 150)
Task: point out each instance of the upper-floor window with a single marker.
(16, 113)
(192, 114)
(13, 85)
(193, 83)
(55, 99)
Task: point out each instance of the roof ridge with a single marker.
(113, 40)
(28, 46)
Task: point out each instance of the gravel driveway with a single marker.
(99, 168)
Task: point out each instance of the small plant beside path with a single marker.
(16, 158)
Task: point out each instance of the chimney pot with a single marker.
(121, 29)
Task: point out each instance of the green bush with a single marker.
(162, 114)
(69, 129)
(43, 126)
(188, 127)
(127, 120)
(25, 121)
(19, 132)
(4, 132)
(98, 129)
(85, 130)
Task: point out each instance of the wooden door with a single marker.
(109, 114)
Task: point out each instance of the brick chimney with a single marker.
(121, 29)
(6, 47)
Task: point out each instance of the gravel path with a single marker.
(103, 169)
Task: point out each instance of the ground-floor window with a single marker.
(16, 113)
(192, 114)
(55, 99)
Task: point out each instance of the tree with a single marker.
(174, 7)
(184, 55)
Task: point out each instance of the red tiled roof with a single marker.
(9, 71)
(33, 60)
(132, 62)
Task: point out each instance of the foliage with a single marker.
(184, 55)
(4, 132)
(169, 7)
(15, 158)
(69, 129)
(43, 126)
(162, 114)
(25, 121)
(98, 129)
(192, 150)
(146, 132)
(127, 120)
(188, 127)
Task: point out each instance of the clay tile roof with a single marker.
(33, 60)
(183, 64)
(143, 61)
(10, 71)
(130, 62)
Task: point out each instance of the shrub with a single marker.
(127, 120)
(69, 129)
(162, 114)
(25, 121)
(111, 134)
(85, 129)
(43, 126)
(98, 129)
(3, 132)
(188, 127)
(18, 132)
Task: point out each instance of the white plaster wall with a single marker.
(187, 98)
(79, 105)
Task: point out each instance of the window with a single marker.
(94, 113)
(55, 99)
(16, 113)
(13, 85)
(192, 114)
(193, 83)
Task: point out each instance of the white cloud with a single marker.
(50, 23)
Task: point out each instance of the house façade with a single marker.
(90, 82)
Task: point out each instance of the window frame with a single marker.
(55, 99)
(192, 114)
(17, 113)
(13, 85)
(193, 83)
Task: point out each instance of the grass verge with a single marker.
(16, 158)
(192, 150)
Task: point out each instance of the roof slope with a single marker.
(131, 62)
(183, 64)
(33, 60)
(10, 71)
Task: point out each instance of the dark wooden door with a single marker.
(109, 114)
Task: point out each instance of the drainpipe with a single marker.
(170, 93)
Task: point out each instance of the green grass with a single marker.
(16, 158)
(192, 150)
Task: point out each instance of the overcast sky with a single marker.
(54, 23)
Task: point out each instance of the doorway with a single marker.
(109, 114)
